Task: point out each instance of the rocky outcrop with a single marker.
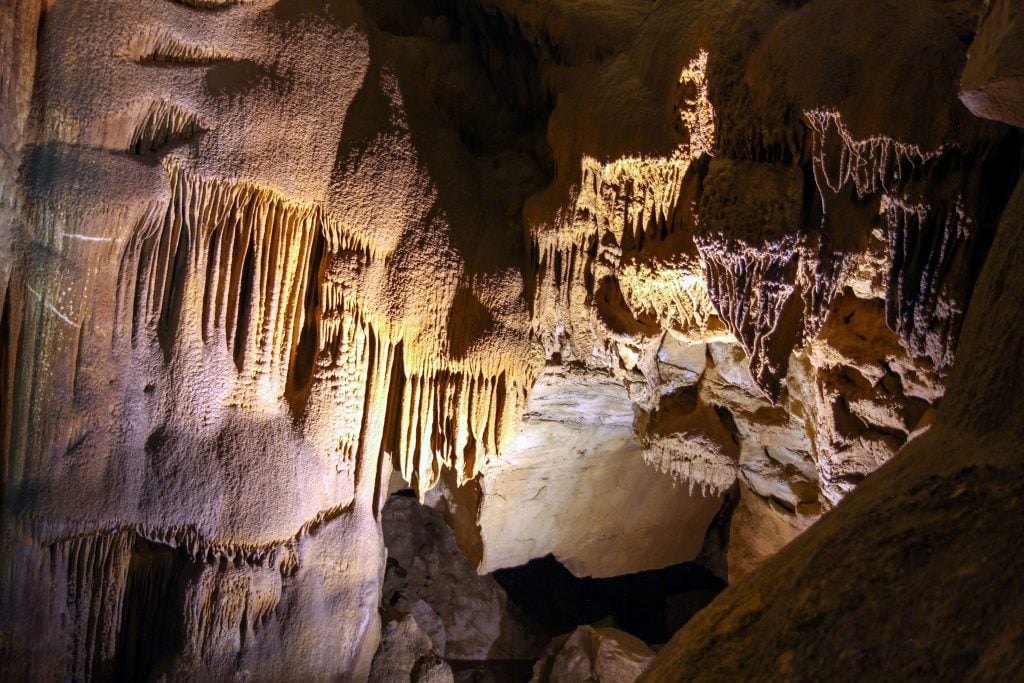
(601, 654)
(913, 574)
(466, 617)
(406, 653)
(785, 202)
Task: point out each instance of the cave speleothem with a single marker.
(508, 340)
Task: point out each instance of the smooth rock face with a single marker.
(596, 654)
(563, 483)
(760, 527)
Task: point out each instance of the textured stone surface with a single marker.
(255, 253)
(405, 653)
(464, 615)
(915, 573)
(599, 654)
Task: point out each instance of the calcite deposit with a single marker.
(629, 283)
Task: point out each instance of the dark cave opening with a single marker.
(497, 627)
(650, 605)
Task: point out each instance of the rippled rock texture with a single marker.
(594, 267)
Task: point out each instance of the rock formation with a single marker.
(406, 653)
(915, 574)
(467, 617)
(581, 273)
(562, 483)
(940, 597)
(602, 654)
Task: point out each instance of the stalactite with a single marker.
(161, 124)
(254, 264)
(930, 226)
(160, 46)
(97, 568)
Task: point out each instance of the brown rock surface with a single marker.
(598, 654)
(254, 253)
(916, 573)
(993, 81)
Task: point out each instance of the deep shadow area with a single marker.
(651, 605)
(492, 671)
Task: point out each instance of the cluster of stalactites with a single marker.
(612, 207)
(874, 164)
(929, 237)
(614, 204)
(250, 264)
(455, 421)
(676, 293)
(440, 413)
(112, 581)
(240, 253)
(700, 465)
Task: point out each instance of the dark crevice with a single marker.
(512, 65)
(170, 317)
(151, 619)
(303, 361)
(651, 605)
(244, 306)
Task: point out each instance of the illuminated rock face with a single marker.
(594, 654)
(235, 293)
(561, 486)
(254, 254)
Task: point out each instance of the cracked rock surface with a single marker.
(581, 273)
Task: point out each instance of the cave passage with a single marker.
(650, 605)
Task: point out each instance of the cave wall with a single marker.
(217, 336)
(914, 574)
(256, 254)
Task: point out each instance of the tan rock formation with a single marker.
(218, 332)
(599, 654)
(561, 486)
(256, 253)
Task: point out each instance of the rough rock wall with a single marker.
(756, 180)
(255, 252)
(915, 574)
(242, 278)
(738, 186)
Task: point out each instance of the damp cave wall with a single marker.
(245, 268)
